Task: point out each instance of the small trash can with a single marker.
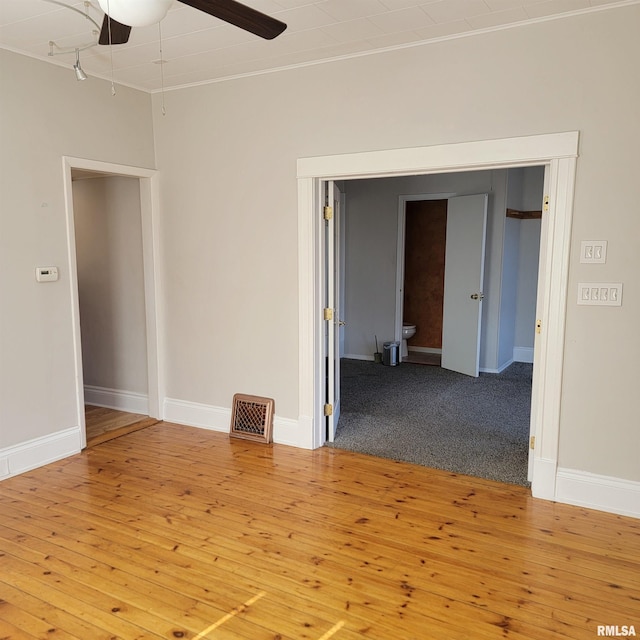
(390, 354)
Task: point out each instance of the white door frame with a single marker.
(149, 206)
(558, 153)
(331, 325)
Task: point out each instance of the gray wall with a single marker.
(111, 283)
(230, 201)
(46, 114)
(227, 154)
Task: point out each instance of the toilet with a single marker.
(408, 331)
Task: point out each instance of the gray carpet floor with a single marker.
(438, 418)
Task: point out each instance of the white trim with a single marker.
(598, 492)
(149, 214)
(544, 472)
(40, 451)
(558, 153)
(553, 276)
(358, 54)
(500, 369)
(195, 414)
(523, 354)
(353, 356)
(406, 45)
(116, 399)
(443, 158)
(285, 430)
(425, 350)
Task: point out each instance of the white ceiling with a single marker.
(198, 48)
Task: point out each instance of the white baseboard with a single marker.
(352, 356)
(39, 451)
(295, 433)
(500, 369)
(603, 493)
(523, 354)
(116, 399)
(424, 349)
(544, 479)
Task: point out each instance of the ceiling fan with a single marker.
(122, 15)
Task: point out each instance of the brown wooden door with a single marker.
(425, 238)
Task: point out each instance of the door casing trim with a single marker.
(149, 210)
(558, 153)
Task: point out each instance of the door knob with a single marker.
(477, 296)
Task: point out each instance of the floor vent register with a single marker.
(252, 418)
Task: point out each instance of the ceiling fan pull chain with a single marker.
(164, 112)
(113, 86)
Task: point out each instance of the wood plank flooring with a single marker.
(176, 532)
(103, 424)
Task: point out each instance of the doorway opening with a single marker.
(422, 223)
(478, 427)
(112, 239)
(557, 153)
(504, 285)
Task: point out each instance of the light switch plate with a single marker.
(601, 294)
(593, 251)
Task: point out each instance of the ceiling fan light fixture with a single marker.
(140, 13)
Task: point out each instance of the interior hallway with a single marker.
(105, 424)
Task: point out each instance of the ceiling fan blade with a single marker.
(241, 16)
(119, 32)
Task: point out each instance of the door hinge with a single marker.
(328, 314)
(328, 410)
(532, 442)
(545, 205)
(538, 326)
(328, 213)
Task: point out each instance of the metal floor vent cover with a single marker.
(252, 418)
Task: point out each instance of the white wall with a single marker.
(111, 283)
(525, 193)
(528, 259)
(228, 155)
(508, 290)
(531, 195)
(46, 114)
(532, 188)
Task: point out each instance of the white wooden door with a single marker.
(334, 325)
(463, 281)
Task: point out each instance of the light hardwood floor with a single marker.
(175, 532)
(104, 424)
